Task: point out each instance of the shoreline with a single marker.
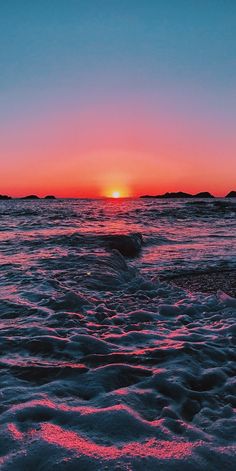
(206, 282)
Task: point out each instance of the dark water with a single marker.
(178, 235)
(102, 365)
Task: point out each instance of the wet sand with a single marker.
(209, 282)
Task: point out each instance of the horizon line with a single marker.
(34, 196)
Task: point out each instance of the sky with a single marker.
(132, 96)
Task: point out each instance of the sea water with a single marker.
(103, 366)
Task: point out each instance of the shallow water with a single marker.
(102, 365)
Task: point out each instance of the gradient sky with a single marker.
(137, 96)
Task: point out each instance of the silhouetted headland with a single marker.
(203, 194)
(30, 197)
(178, 194)
(231, 194)
(35, 197)
(5, 197)
(181, 194)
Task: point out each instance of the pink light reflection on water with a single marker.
(162, 450)
(15, 432)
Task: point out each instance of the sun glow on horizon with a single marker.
(116, 194)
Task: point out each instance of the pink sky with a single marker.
(131, 148)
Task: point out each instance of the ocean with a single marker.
(105, 363)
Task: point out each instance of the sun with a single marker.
(115, 194)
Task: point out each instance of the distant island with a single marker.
(231, 194)
(28, 197)
(35, 197)
(5, 197)
(181, 194)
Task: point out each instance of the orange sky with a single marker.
(132, 148)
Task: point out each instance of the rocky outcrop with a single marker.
(181, 194)
(30, 197)
(128, 245)
(231, 194)
(5, 197)
(178, 194)
(203, 194)
(50, 197)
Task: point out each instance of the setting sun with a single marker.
(116, 191)
(115, 194)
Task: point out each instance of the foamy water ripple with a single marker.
(102, 365)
